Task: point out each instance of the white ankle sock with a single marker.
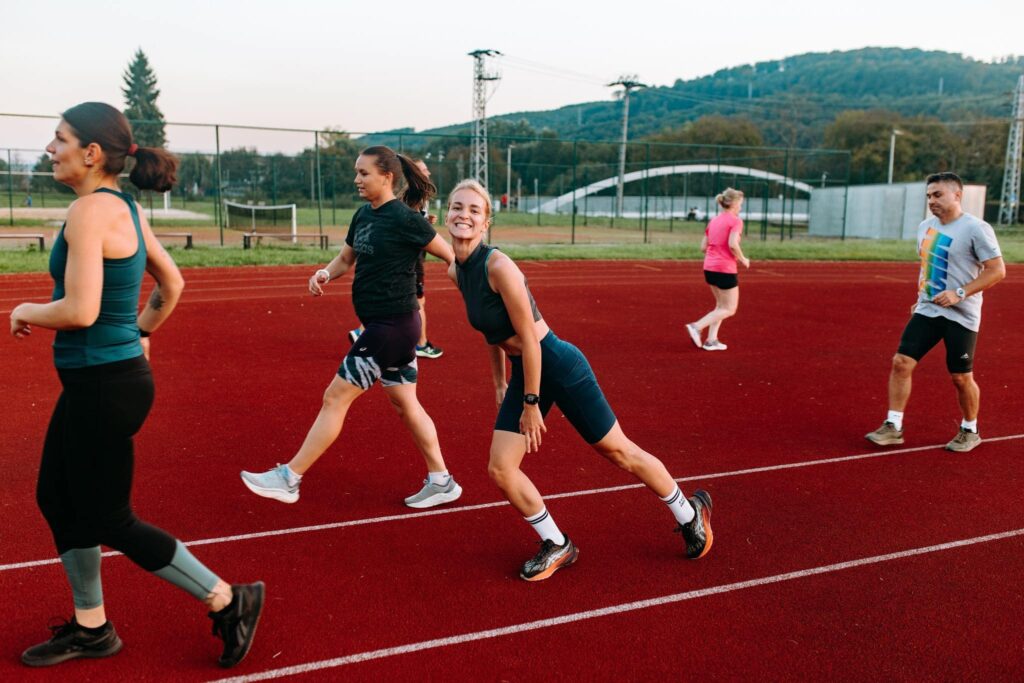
(680, 507)
(293, 478)
(440, 478)
(970, 425)
(545, 527)
(896, 418)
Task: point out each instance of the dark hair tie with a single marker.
(132, 149)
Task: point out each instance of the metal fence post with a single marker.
(218, 208)
(10, 186)
(572, 236)
(319, 185)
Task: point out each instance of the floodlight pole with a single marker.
(628, 83)
(1009, 205)
(480, 79)
(892, 151)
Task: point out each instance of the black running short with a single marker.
(386, 350)
(721, 280)
(922, 333)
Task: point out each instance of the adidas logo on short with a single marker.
(966, 356)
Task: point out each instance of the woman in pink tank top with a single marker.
(721, 247)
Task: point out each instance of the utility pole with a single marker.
(480, 79)
(1010, 203)
(628, 83)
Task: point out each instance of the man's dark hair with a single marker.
(945, 177)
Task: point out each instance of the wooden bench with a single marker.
(26, 236)
(186, 235)
(249, 237)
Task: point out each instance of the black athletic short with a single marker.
(922, 333)
(721, 280)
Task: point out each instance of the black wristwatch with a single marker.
(531, 399)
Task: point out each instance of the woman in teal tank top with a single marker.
(101, 351)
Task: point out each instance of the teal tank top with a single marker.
(115, 334)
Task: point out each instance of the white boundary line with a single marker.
(608, 611)
(483, 506)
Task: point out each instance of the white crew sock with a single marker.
(970, 425)
(896, 418)
(680, 507)
(545, 527)
(439, 478)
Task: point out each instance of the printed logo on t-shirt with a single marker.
(934, 262)
(362, 244)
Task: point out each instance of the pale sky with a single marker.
(370, 66)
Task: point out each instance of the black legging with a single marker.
(85, 478)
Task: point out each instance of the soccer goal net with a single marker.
(279, 221)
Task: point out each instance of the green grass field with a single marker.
(517, 233)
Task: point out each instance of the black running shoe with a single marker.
(71, 641)
(236, 623)
(549, 559)
(697, 532)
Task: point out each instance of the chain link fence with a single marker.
(545, 189)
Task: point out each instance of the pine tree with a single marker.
(140, 95)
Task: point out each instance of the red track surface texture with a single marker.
(833, 560)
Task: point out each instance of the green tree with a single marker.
(140, 95)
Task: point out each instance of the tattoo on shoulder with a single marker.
(156, 301)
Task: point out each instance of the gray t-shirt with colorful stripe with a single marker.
(951, 256)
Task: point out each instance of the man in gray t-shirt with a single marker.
(960, 258)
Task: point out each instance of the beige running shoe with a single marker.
(886, 435)
(965, 440)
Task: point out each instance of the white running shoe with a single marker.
(714, 345)
(272, 484)
(434, 494)
(694, 334)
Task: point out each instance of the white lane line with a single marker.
(484, 506)
(611, 610)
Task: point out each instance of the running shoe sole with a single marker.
(889, 441)
(564, 562)
(276, 494)
(437, 499)
(705, 513)
(79, 654)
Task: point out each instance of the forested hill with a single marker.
(792, 100)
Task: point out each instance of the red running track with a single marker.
(901, 564)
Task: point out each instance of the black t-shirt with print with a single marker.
(387, 241)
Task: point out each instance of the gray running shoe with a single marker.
(434, 494)
(549, 559)
(697, 532)
(886, 435)
(71, 641)
(272, 484)
(694, 335)
(714, 345)
(965, 440)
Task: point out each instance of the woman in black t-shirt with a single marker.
(385, 238)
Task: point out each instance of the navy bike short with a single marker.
(566, 380)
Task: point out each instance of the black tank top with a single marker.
(484, 307)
